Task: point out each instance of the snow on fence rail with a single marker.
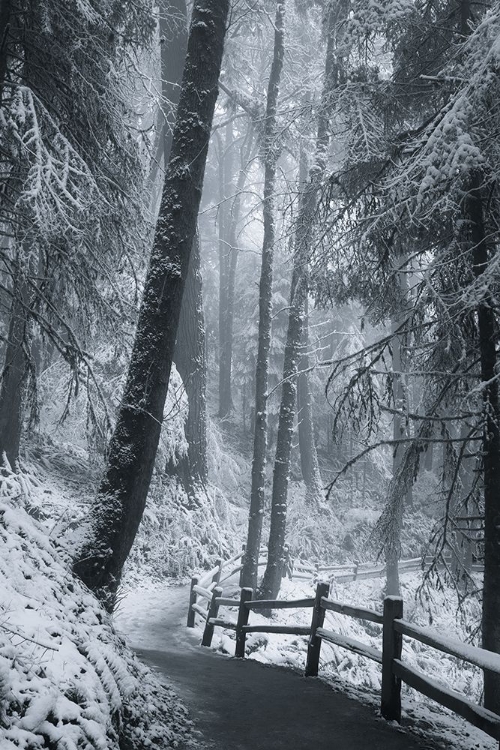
(298, 570)
(393, 626)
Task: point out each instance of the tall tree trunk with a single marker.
(271, 581)
(307, 444)
(15, 370)
(393, 547)
(270, 156)
(487, 326)
(226, 339)
(189, 357)
(189, 354)
(123, 490)
(226, 169)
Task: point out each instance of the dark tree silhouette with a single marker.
(123, 491)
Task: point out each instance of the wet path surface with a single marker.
(244, 705)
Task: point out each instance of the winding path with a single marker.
(244, 705)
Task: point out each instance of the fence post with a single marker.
(217, 575)
(318, 618)
(243, 614)
(392, 643)
(212, 612)
(192, 600)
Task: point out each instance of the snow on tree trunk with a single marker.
(399, 431)
(123, 491)
(270, 155)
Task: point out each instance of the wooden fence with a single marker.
(393, 628)
(202, 585)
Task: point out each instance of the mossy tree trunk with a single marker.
(122, 494)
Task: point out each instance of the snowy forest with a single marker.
(249, 312)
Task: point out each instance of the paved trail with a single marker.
(244, 705)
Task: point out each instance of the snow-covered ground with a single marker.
(67, 681)
(149, 614)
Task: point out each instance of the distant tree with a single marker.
(190, 360)
(123, 490)
(270, 152)
(304, 234)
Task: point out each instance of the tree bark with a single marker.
(271, 582)
(308, 455)
(270, 156)
(393, 546)
(15, 371)
(189, 353)
(226, 169)
(123, 490)
(173, 40)
(190, 360)
(231, 262)
(487, 327)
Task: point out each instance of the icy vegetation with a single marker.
(67, 681)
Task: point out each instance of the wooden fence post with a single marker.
(392, 643)
(243, 614)
(318, 618)
(212, 612)
(217, 575)
(192, 600)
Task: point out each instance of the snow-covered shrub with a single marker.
(84, 418)
(177, 536)
(67, 681)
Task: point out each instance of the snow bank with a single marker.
(67, 681)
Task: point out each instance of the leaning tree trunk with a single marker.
(15, 371)
(189, 355)
(488, 331)
(123, 491)
(270, 156)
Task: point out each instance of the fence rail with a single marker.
(203, 584)
(393, 628)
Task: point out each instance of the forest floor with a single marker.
(245, 705)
